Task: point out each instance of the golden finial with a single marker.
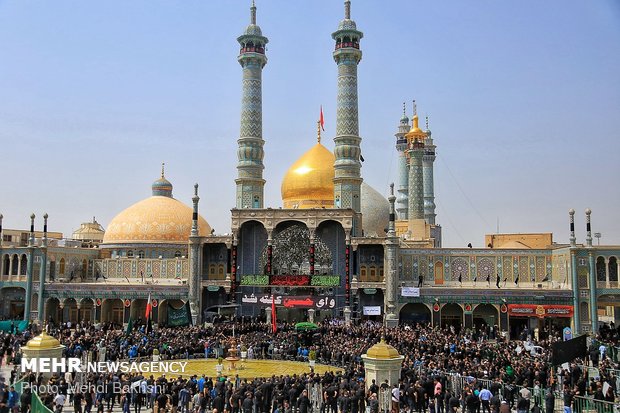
(415, 116)
(415, 108)
(163, 164)
(318, 131)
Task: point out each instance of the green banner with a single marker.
(254, 280)
(178, 316)
(19, 325)
(325, 281)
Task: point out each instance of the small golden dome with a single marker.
(415, 131)
(309, 183)
(158, 219)
(43, 342)
(382, 350)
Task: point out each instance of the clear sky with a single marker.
(523, 99)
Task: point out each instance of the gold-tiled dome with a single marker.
(382, 350)
(158, 219)
(309, 183)
(43, 342)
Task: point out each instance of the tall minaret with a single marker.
(415, 141)
(250, 182)
(347, 55)
(403, 167)
(429, 183)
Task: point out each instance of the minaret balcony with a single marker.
(343, 45)
(260, 50)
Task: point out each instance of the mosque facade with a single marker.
(334, 247)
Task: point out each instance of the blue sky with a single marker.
(523, 97)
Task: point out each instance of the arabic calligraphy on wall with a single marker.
(291, 301)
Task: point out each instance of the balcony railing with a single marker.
(608, 284)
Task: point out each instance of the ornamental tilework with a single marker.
(508, 269)
(416, 190)
(460, 268)
(540, 269)
(485, 268)
(582, 277)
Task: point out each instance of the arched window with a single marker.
(601, 274)
(61, 269)
(613, 269)
(177, 254)
(23, 265)
(130, 254)
(141, 254)
(6, 261)
(256, 202)
(14, 264)
(84, 268)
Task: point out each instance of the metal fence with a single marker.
(509, 393)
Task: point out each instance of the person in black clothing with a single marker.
(25, 400)
(248, 403)
(218, 402)
(549, 400)
(303, 403)
(77, 401)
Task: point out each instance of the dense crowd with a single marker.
(443, 371)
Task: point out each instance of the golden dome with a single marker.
(309, 183)
(415, 131)
(158, 219)
(43, 342)
(382, 350)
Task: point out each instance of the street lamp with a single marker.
(598, 235)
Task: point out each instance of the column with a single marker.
(233, 271)
(347, 271)
(269, 254)
(574, 280)
(593, 306)
(311, 253)
(28, 301)
(43, 271)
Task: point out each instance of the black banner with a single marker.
(567, 351)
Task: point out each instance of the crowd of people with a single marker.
(444, 370)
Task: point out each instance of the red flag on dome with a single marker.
(322, 120)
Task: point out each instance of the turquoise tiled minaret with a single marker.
(347, 177)
(429, 183)
(250, 182)
(402, 202)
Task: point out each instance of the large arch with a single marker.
(52, 310)
(13, 302)
(87, 309)
(252, 239)
(112, 311)
(412, 313)
(601, 270)
(452, 315)
(333, 235)
(138, 309)
(485, 315)
(71, 311)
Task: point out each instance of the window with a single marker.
(61, 269)
(141, 254)
(130, 254)
(177, 254)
